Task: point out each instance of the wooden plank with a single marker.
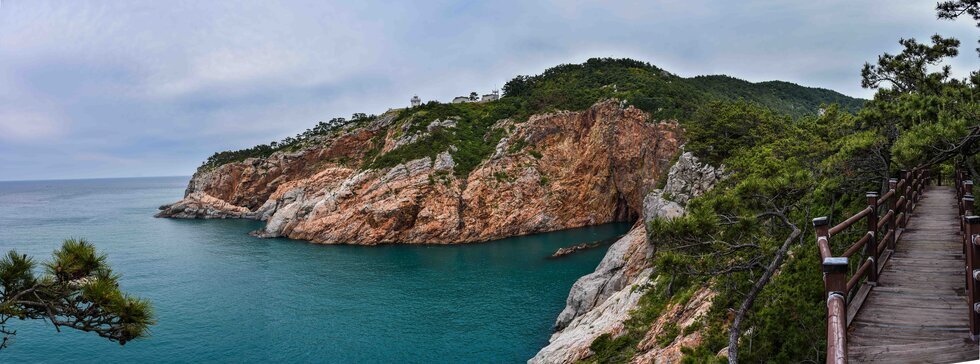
(855, 305)
(954, 350)
(917, 312)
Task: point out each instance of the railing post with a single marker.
(892, 184)
(958, 183)
(907, 206)
(959, 200)
(835, 281)
(972, 263)
(871, 248)
(821, 226)
(966, 209)
(919, 183)
(968, 204)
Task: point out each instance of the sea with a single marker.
(220, 295)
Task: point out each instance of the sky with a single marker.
(92, 89)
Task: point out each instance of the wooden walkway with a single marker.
(916, 313)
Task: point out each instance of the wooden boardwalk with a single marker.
(917, 312)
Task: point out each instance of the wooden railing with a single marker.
(970, 231)
(889, 213)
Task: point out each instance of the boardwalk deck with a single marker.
(916, 312)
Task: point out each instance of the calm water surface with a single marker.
(221, 295)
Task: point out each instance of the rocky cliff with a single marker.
(600, 302)
(553, 171)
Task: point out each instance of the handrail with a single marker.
(890, 211)
(884, 219)
(884, 198)
(861, 272)
(970, 232)
(854, 248)
(850, 221)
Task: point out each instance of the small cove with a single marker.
(221, 295)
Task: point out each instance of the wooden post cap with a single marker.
(972, 219)
(834, 264)
(968, 198)
(871, 194)
(821, 221)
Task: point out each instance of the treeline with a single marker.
(664, 95)
(579, 86)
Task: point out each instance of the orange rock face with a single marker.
(575, 169)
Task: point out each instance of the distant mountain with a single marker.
(785, 97)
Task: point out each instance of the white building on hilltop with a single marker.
(416, 101)
(492, 96)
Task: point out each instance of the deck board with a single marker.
(918, 311)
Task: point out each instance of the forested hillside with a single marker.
(750, 239)
(570, 87)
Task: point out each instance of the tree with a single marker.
(519, 86)
(474, 96)
(951, 10)
(908, 71)
(77, 290)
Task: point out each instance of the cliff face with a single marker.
(552, 172)
(600, 302)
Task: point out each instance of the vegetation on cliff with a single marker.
(289, 144)
(78, 290)
(571, 87)
(750, 238)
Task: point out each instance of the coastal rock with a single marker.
(679, 316)
(573, 249)
(589, 167)
(199, 205)
(656, 205)
(572, 344)
(689, 178)
(589, 313)
(612, 274)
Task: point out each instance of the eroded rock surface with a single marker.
(589, 167)
(600, 301)
(689, 178)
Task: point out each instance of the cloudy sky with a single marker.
(140, 88)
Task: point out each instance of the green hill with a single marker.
(565, 87)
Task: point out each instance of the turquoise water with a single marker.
(223, 296)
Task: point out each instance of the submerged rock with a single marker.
(573, 249)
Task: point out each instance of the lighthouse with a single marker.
(416, 101)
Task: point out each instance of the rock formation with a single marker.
(589, 167)
(601, 301)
